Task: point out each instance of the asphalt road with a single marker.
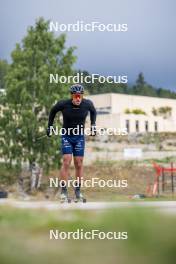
(165, 206)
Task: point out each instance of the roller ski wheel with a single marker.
(64, 198)
(81, 200)
(79, 197)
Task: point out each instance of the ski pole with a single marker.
(41, 137)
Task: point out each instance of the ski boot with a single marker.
(79, 197)
(64, 197)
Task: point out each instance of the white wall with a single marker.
(120, 102)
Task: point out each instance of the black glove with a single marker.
(48, 132)
(93, 130)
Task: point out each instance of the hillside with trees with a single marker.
(139, 88)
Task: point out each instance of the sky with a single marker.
(148, 46)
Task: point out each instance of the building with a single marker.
(135, 113)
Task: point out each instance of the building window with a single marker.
(103, 110)
(128, 126)
(146, 126)
(137, 126)
(156, 126)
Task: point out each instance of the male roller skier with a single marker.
(74, 111)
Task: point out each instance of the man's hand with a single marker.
(93, 130)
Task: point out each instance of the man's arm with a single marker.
(93, 114)
(56, 108)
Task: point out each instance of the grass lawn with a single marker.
(24, 236)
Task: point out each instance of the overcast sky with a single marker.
(148, 46)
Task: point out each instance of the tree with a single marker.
(3, 71)
(140, 82)
(29, 96)
(166, 93)
(141, 87)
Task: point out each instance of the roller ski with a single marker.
(79, 197)
(64, 198)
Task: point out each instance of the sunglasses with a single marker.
(77, 96)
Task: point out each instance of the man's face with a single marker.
(77, 98)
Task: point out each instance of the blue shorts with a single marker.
(73, 144)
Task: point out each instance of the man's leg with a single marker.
(67, 150)
(78, 162)
(65, 166)
(65, 171)
(78, 154)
